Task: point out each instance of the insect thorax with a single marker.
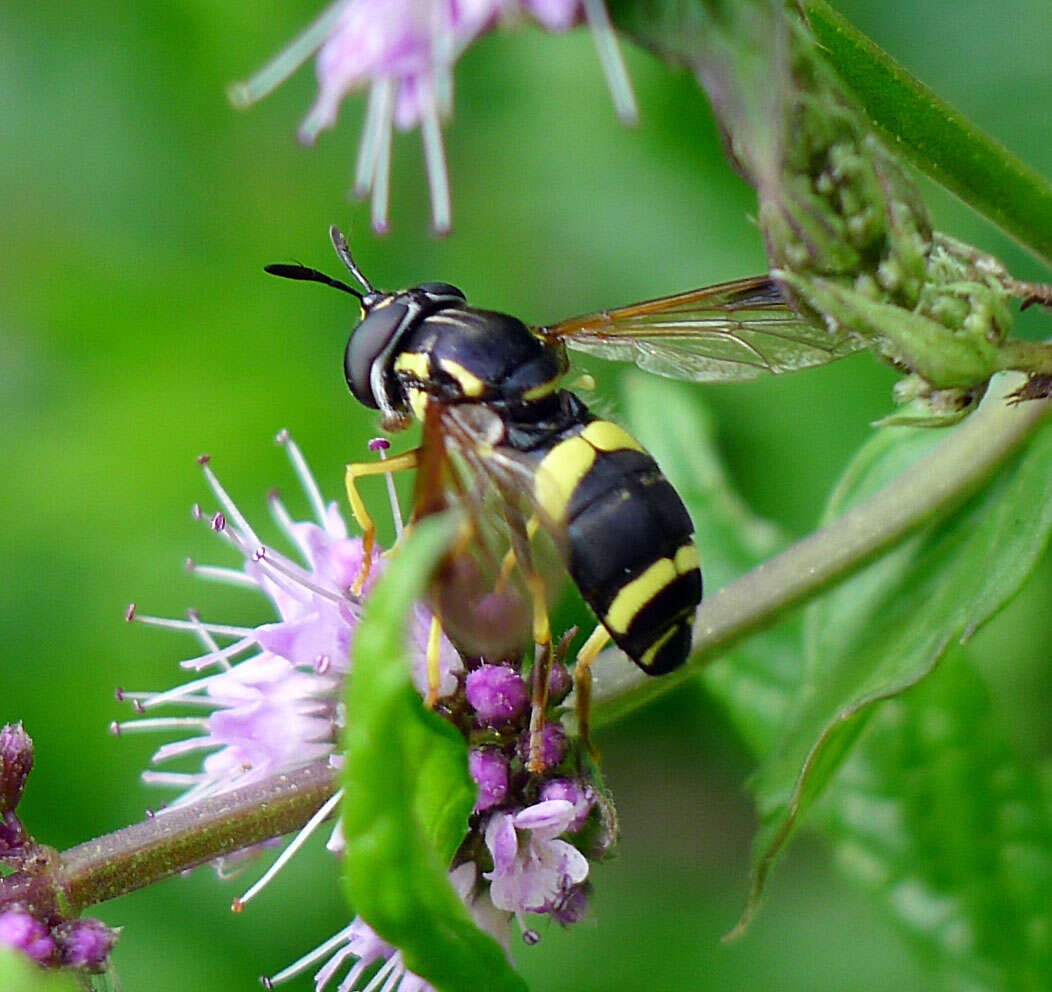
(461, 354)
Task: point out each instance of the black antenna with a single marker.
(339, 242)
(309, 275)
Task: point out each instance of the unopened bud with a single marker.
(85, 944)
(16, 762)
(20, 930)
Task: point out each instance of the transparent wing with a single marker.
(729, 332)
(496, 482)
(482, 591)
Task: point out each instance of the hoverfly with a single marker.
(487, 389)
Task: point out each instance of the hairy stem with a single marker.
(1031, 356)
(916, 123)
(937, 138)
(170, 842)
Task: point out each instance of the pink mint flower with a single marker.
(581, 794)
(270, 699)
(403, 52)
(533, 871)
(377, 965)
(270, 702)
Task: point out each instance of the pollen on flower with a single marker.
(403, 52)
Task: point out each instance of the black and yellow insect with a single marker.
(488, 390)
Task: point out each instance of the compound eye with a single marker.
(441, 289)
(367, 343)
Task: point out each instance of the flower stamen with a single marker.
(288, 60)
(380, 446)
(612, 61)
(118, 728)
(215, 654)
(381, 167)
(435, 161)
(232, 512)
(302, 964)
(218, 573)
(303, 473)
(289, 852)
(272, 561)
(224, 630)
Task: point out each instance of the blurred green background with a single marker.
(138, 330)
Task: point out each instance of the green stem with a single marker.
(922, 495)
(936, 138)
(1028, 356)
(169, 843)
(916, 123)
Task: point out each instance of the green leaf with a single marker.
(884, 630)
(938, 816)
(19, 974)
(409, 794)
(935, 137)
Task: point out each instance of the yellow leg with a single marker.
(406, 460)
(542, 667)
(434, 645)
(507, 566)
(582, 680)
(520, 532)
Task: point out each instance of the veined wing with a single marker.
(729, 332)
(482, 591)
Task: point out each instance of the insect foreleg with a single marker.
(355, 471)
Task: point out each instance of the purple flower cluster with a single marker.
(403, 51)
(84, 945)
(521, 855)
(267, 700)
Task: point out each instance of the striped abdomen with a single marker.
(628, 539)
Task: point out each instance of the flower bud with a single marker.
(573, 908)
(85, 944)
(560, 682)
(16, 762)
(582, 798)
(20, 930)
(553, 746)
(497, 693)
(489, 769)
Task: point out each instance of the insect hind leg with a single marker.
(582, 679)
(509, 562)
(542, 669)
(519, 554)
